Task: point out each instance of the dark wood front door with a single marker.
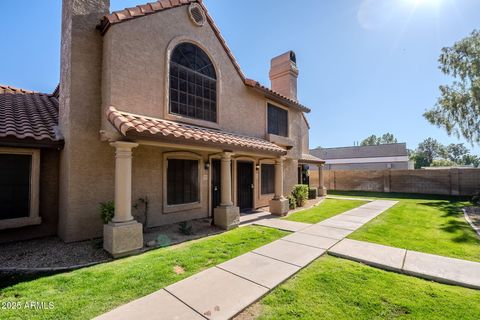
(245, 185)
(216, 184)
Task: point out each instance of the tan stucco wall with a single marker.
(148, 180)
(135, 70)
(86, 163)
(127, 68)
(135, 78)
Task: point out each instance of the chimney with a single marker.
(80, 117)
(284, 74)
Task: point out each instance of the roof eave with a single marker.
(135, 135)
(11, 141)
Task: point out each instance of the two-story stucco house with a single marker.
(151, 103)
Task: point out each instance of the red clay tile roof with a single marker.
(308, 158)
(126, 122)
(161, 5)
(26, 114)
(275, 95)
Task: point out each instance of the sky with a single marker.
(366, 66)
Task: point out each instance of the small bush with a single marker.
(312, 193)
(292, 202)
(300, 192)
(107, 211)
(476, 199)
(185, 228)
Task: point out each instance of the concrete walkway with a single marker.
(429, 266)
(225, 290)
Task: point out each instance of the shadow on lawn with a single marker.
(463, 231)
(8, 279)
(449, 208)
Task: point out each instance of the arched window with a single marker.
(193, 83)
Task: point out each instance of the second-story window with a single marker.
(277, 121)
(193, 83)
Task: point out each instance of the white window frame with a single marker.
(34, 217)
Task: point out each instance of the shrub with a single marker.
(312, 193)
(185, 228)
(107, 211)
(476, 199)
(300, 192)
(292, 202)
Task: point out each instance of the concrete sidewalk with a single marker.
(223, 291)
(428, 266)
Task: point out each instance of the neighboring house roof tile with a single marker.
(161, 5)
(26, 114)
(308, 158)
(127, 123)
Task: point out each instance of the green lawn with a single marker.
(430, 224)
(326, 209)
(333, 288)
(85, 293)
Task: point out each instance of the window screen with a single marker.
(277, 121)
(268, 178)
(15, 170)
(193, 84)
(182, 181)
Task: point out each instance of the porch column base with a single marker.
(226, 217)
(279, 207)
(322, 192)
(124, 238)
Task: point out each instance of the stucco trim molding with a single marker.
(166, 103)
(34, 217)
(186, 206)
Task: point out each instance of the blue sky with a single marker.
(366, 66)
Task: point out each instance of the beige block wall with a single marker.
(463, 182)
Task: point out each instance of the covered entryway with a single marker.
(216, 183)
(245, 185)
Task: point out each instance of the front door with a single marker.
(245, 185)
(215, 188)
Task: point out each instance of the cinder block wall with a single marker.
(463, 182)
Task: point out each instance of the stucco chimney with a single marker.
(80, 117)
(284, 74)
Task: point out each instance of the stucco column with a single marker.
(123, 234)
(226, 179)
(226, 216)
(279, 178)
(123, 180)
(322, 191)
(279, 204)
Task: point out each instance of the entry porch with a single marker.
(192, 172)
